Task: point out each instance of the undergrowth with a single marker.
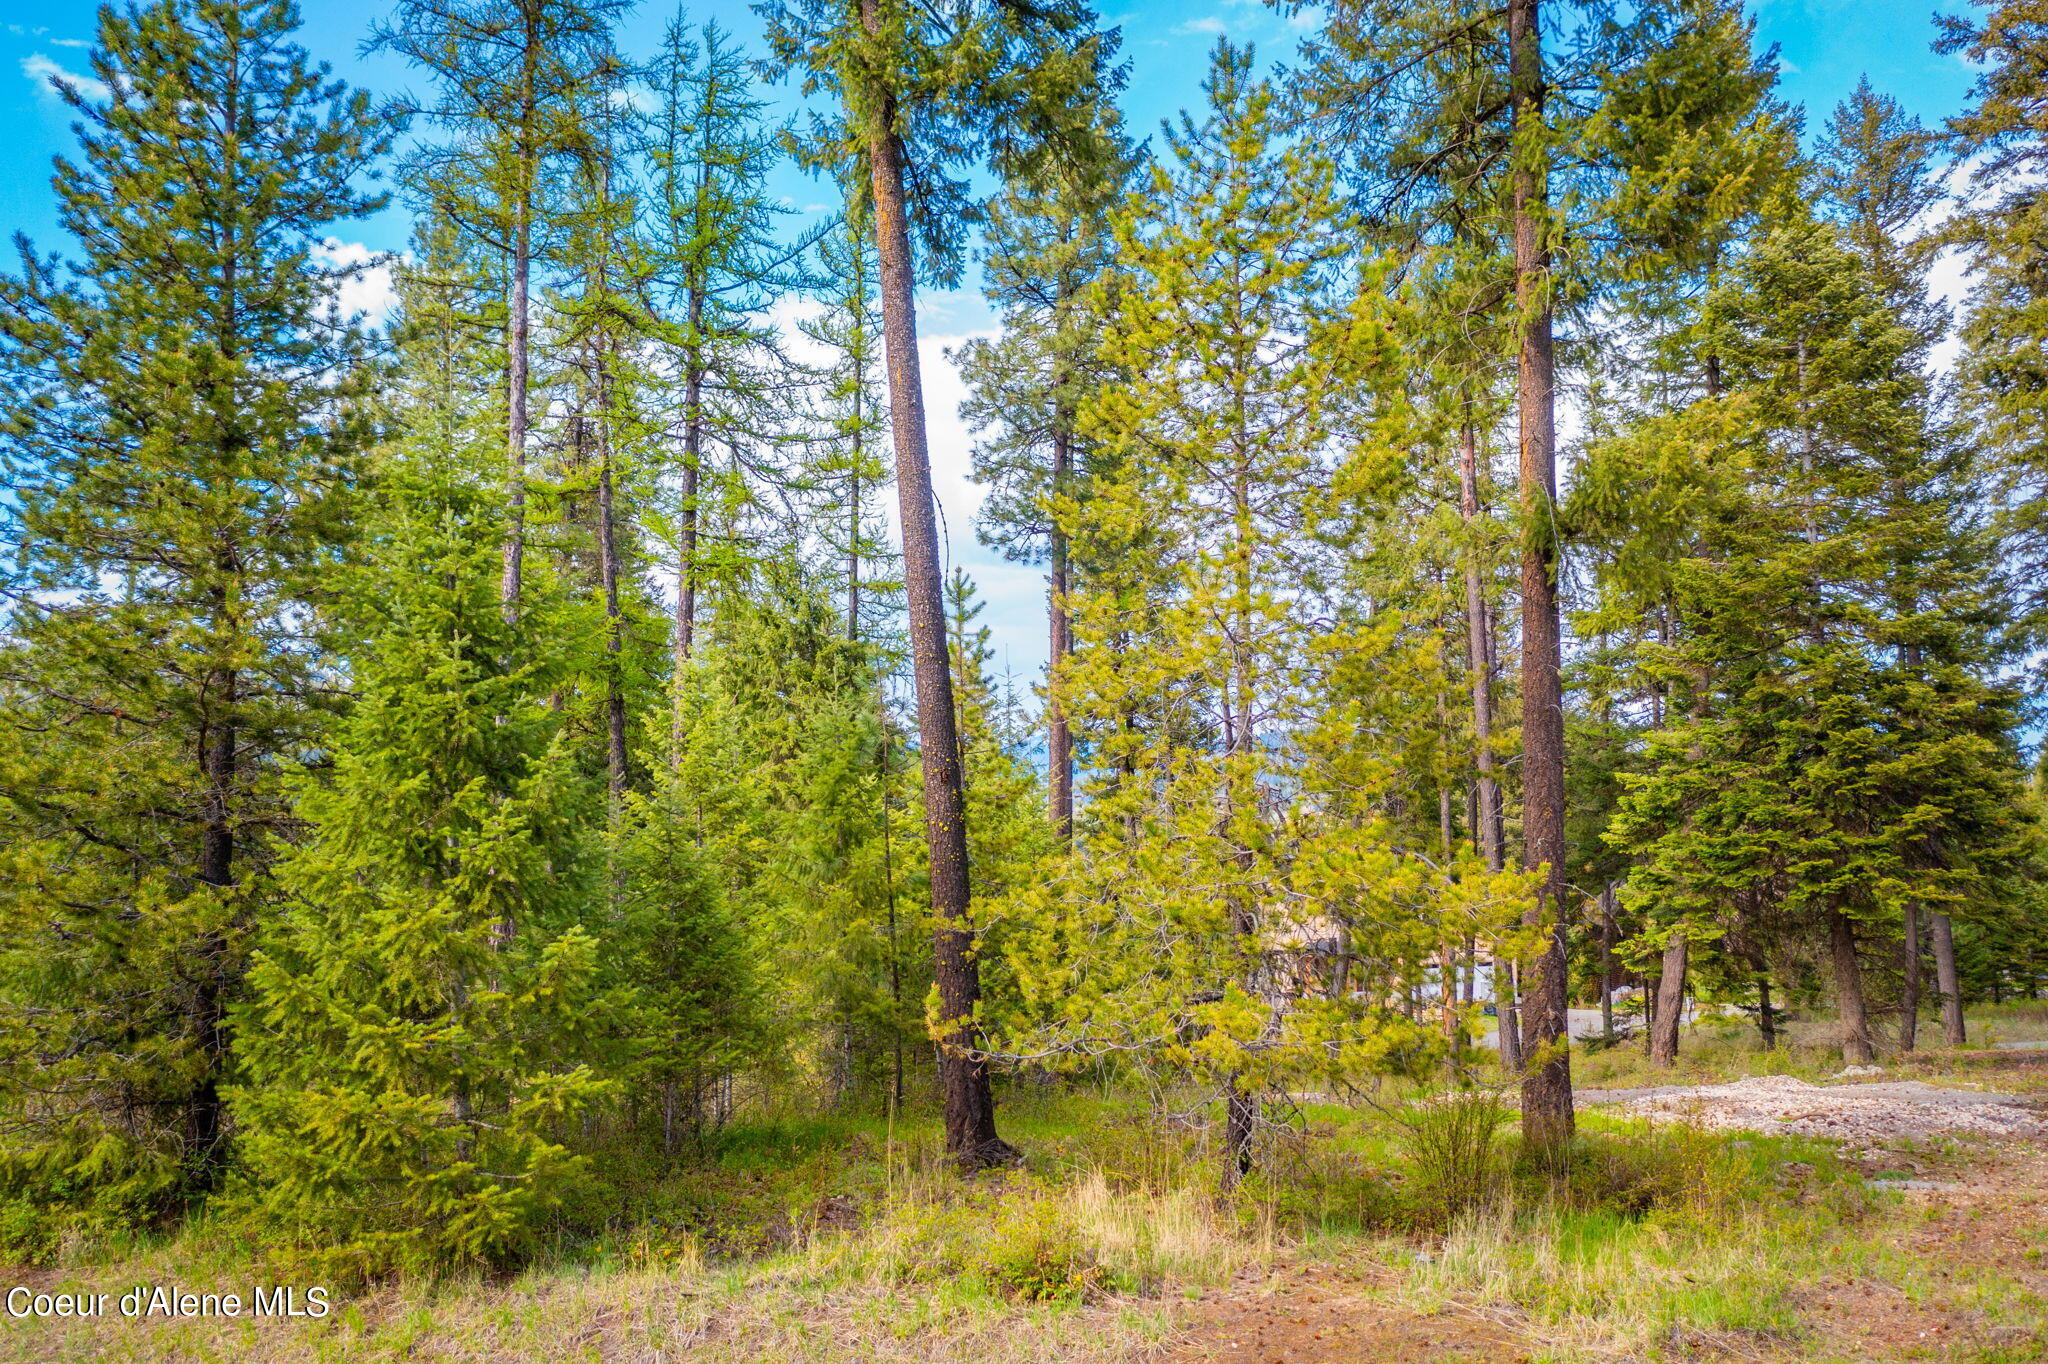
(770, 1232)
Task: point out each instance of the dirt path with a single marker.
(1857, 1113)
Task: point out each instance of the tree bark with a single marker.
(686, 532)
(1607, 961)
(1479, 658)
(853, 535)
(969, 1099)
(614, 637)
(1856, 1045)
(1947, 980)
(1241, 1106)
(1909, 990)
(1546, 1087)
(1507, 1017)
(1487, 815)
(1765, 1023)
(1240, 1115)
(1670, 1004)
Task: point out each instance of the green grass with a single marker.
(848, 1237)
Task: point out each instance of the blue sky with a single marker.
(1825, 47)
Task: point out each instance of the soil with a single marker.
(1316, 1314)
(1900, 1110)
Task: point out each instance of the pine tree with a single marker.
(692, 1005)
(409, 1065)
(602, 322)
(1837, 619)
(182, 417)
(917, 94)
(844, 457)
(717, 265)
(1637, 127)
(790, 779)
(510, 74)
(1047, 244)
(1877, 167)
(2003, 229)
(1183, 932)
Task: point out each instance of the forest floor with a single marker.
(1664, 1240)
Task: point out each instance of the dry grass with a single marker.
(1012, 1272)
(1671, 1244)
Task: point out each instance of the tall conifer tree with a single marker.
(1048, 243)
(409, 1067)
(182, 418)
(510, 74)
(919, 93)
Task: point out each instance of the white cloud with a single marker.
(69, 42)
(1207, 24)
(1013, 594)
(43, 72)
(635, 97)
(371, 291)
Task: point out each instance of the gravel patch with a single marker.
(1904, 1109)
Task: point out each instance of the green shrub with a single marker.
(1451, 1150)
(1040, 1257)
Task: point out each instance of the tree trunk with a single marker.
(1856, 1045)
(207, 1010)
(1059, 735)
(1649, 996)
(614, 637)
(1547, 1087)
(1909, 989)
(1607, 933)
(1670, 1005)
(1947, 980)
(1506, 1017)
(969, 1099)
(1766, 1024)
(686, 531)
(853, 535)
(1240, 1114)
(1479, 658)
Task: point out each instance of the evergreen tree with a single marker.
(1178, 934)
(411, 1062)
(716, 266)
(182, 417)
(1639, 131)
(844, 452)
(918, 93)
(2003, 228)
(510, 74)
(1876, 169)
(691, 1006)
(1840, 630)
(791, 780)
(1048, 243)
